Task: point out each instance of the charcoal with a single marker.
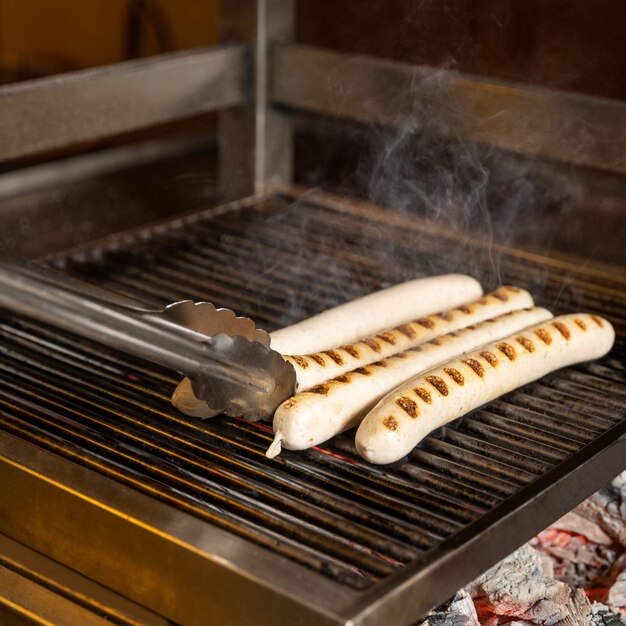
(575, 560)
(575, 523)
(607, 508)
(445, 619)
(458, 611)
(601, 615)
(616, 597)
(519, 587)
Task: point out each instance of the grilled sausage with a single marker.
(381, 309)
(406, 415)
(313, 369)
(314, 416)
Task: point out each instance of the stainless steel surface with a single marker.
(227, 370)
(153, 553)
(35, 589)
(574, 128)
(311, 537)
(119, 159)
(63, 110)
(255, 140)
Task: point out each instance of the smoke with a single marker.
(428, 174)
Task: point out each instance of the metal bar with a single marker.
(56, 594)
(567, 127)
(255, 140)
(67, 109)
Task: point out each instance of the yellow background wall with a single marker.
(86, 33)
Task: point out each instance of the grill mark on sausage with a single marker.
(526, 343)
(580, 324)
(407, 330)
(351, 350)
(435, 342)
(501, 296)
(336, 357)
(464, 309)
(490, 357)
(512, 288)
(390, 422)
(379, 364)
(544, 335)
(471, 327)
(423, 394)
(321, 389)
(372, 344)
(400, 355)
(300, 361)
(387, 338)
(363, 371)
(318, 359)
(439, 384)
(455, 375)
(342, 379)
(479, 370)
(563, 329)
(482, 302)
(597, 320)
(507, 350)
(408, 406)
(446, 316)
(426, 322)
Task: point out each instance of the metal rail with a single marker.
(255, 139)
(55, 112)
(573, 128)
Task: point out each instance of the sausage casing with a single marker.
(424, 403)
(312, 369)
(382, 309)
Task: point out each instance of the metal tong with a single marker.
(228, 360)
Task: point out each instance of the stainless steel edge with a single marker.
(569, 127)
(162, 558)
(418, 588)
(255, 140)
(43, 585)
(67, 109)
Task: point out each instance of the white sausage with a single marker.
(381, 309)
(312, 369)
(314, 416)
(406, 415)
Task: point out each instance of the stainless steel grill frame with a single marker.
(190, 517)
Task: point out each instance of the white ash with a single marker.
(519, 587)
(459, 611)
(616, 597)
(586, 549)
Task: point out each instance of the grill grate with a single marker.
(275, 261)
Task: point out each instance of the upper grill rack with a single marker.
(275, 261)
